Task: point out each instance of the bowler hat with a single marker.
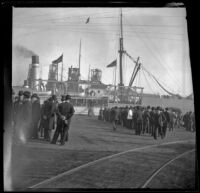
(27, 94)
(35, 96)
(54, 97)
(20, 93)
(62, 97)
(67, 97)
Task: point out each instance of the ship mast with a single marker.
(121, 51)
(79, 61)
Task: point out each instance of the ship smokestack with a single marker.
(35, 59)
(34, 73)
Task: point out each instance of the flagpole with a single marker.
(115, 83)
(57, 72)
(62, 70)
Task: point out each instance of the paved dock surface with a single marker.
(38, 164)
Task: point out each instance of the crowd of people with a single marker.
(31, 120)
(152, 120)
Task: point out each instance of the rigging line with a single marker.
(155, 84)
(86, 33)
(155, 56)
(136, 82)
(81, 23)
(94, 33)
(51, 21)
(91, 28)
(160, 84)
(163, 59)
(139, 78)
(165, 68)
(135, 11)
(147, 81)
(168, 72)
(82, 15)
(73, 17)
(150, 75)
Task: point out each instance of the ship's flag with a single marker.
(88, 19)
(112, 64)
(58, 60)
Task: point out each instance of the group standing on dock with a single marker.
(152, 120)
(31, 118)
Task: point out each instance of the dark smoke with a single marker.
(21, 51)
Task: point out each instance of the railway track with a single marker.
(97, 163)
(155, 173)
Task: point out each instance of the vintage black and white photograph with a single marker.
(102, 98)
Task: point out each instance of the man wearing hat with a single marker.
(26, 116)
(166, 122)
(146, 118)
(156, 122)
(114, 116)
(65, 111)
(151, 121)
(62, 98)
(53, 105)
(18, 104)
(13, 96)
(35, 116)
(139, 121)
(12, 110)
(162, 123)
(43, 128)
(17, 114)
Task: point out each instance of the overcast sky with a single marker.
(157, 35)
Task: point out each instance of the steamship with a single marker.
(92, 93)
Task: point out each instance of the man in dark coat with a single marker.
(125, 114)
(152, 121)
(17, 107)
(104, 114)
(146, 120)
(43, 128)
(65, 112)
(17, 114)
(162, 123)
(100, 116)
(114, 116)
(26, 117)
(166, 122)
(12, 108)
(52, 118)
(156, 123)
(135, 120)
(139, 120)
(36, 114)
